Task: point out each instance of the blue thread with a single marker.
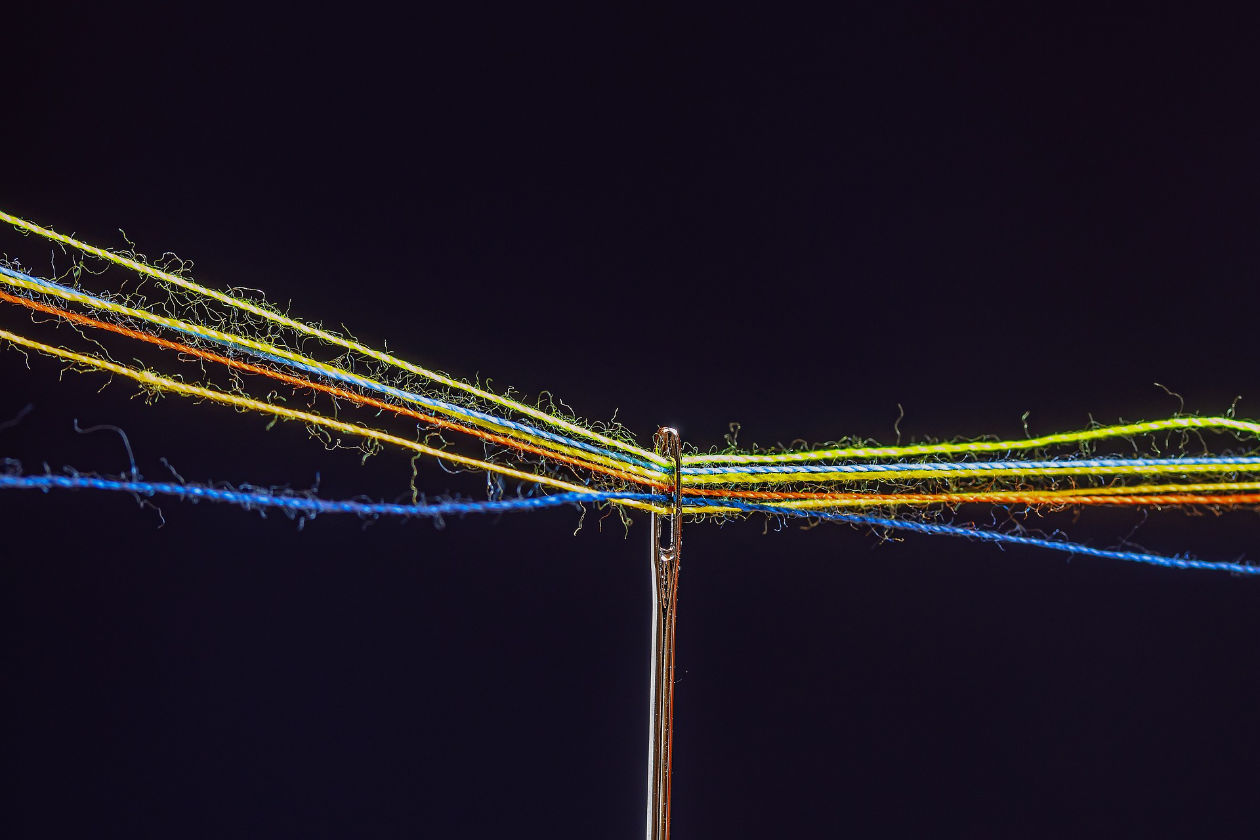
(351, 379)
(306, 504)
(1174, 562)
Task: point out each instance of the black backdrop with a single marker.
(795, 224)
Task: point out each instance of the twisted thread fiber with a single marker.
(624, 461)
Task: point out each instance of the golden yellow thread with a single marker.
(332, 370)
(982, 446)
(328, 337)
(152, 379)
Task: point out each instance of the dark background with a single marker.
(797, 224)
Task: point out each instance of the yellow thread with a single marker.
(982, 446)
(207, 332)
(328, 337)
(165, 384)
